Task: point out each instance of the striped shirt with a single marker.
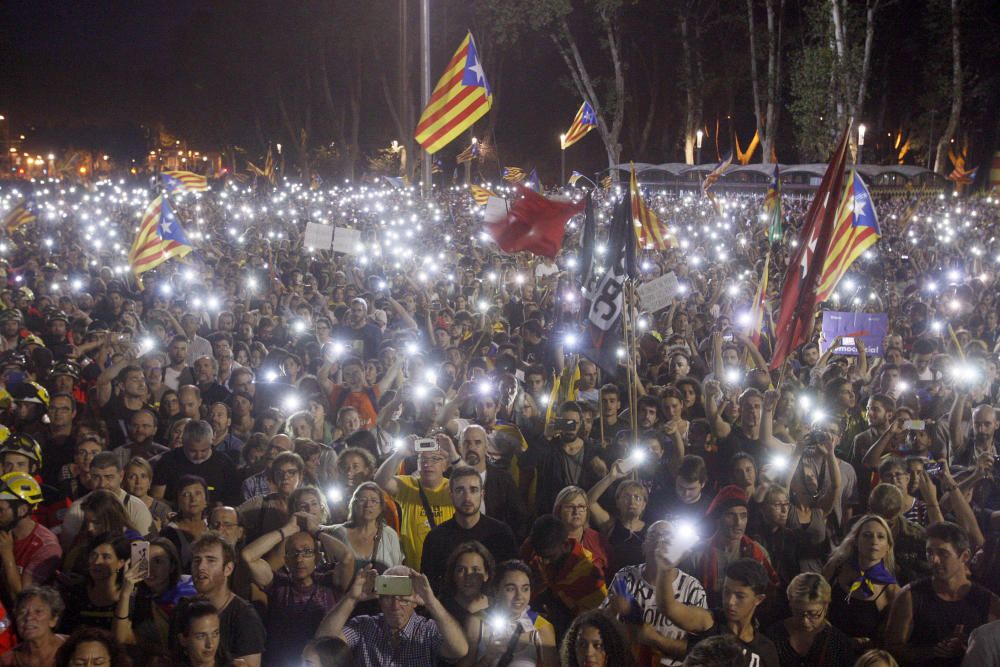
(687, 590)
(370, 639)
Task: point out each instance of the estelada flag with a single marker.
(805, 268)
(461, 97)
(584, 121)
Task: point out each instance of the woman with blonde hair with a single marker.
(861, 572)
(876, 657)
(807, 637)
(571, 507)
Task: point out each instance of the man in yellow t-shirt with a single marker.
(431, 466)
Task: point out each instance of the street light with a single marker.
(562, 159)
(861, 141)
(699, 135)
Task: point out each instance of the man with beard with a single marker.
(220, 417)
(178, 372)
(360, 335)
(10, 329)
(206, 376)
(141, 429)
(728, 544)
(969, 449)
(745, 435)
(565, 460)
(505, 504)
(117, 408)
(469, 524)
(241, 631)
(30, 553)
(930, 620)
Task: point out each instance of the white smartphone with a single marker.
(140, 557)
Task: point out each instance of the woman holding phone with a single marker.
(511, 634)
(149, 595)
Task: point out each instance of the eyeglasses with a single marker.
(301, 553)
(811, 614)
(286, 473)
(573, 509)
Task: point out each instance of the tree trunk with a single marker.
(774, 55)
(692, 115)
(941, 162)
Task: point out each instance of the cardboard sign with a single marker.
(317, 236)
(658, 294)
(867, 328)
(346, 240)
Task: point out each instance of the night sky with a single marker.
(97, 74)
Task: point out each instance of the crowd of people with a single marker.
(267, 453)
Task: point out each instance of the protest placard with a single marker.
(869, 328)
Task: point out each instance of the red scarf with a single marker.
(748, 549)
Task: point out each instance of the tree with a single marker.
(767, 94)
(941, 161)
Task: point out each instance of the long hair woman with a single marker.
(511, 632)
(469, 570)
(365, 530)
(594, 641)
(861, 572)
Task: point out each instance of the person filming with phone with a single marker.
(397, 636)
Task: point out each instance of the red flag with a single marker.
(798, 294)
(532, 222)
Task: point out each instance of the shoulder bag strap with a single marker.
(508, 654)
(427, 506)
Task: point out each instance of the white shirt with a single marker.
(687, 589)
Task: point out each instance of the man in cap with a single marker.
(11, 321)
(729, 542)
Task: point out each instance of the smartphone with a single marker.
(914, 424)
(426, 445)
(393, 585)
(140, 556)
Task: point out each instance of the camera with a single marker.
(814, 439)
(426, 445)
(564, 425)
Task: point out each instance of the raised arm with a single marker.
(600, 517)
(956, 423)
(253, 553)
(828, 500)
(713, 411)
(771, 397)
(874, 454)
(385, 476)
(454, 645)
(686, 617)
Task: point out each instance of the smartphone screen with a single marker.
(140, 556)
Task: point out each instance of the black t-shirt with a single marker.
(362, 342)
(736, 441)
(117, 416)
(218, 471)
(763, 652)
(242, 632)
(497, 537)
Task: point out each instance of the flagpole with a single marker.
(425, 83)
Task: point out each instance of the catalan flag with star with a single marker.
(160, 237)
(481, 195)
(461, 97)
(855, 230)
(649, 231)
(584, 122)
(772, 208)
(21, 214)
(717, 173)
(514, 174)
(185, 181)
